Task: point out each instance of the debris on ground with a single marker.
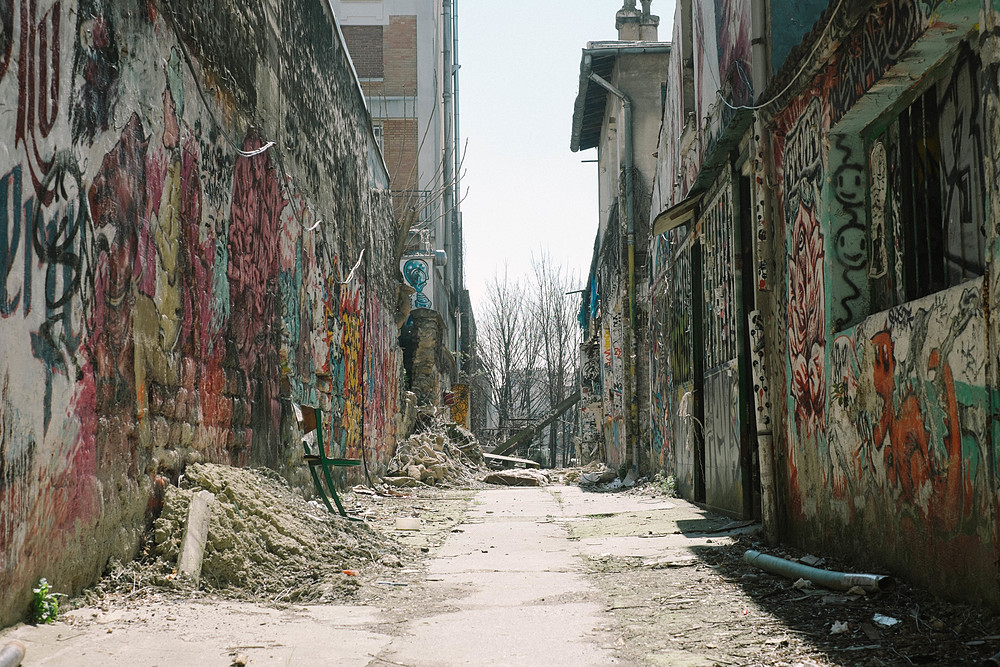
(593, 474)
(264, 543)
(726, 612)
(517, 477)
(442, 455)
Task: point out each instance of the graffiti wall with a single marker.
(701, 91)
(613, 385)
(887, 441)
(176, 264)
(671, 362)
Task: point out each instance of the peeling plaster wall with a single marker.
(712, 62)
(886, 442)
(164, 297)
(672, 360)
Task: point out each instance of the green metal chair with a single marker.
(321, 460)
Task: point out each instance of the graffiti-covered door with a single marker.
(672, 395)
(725, 478)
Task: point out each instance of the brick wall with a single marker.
(400, 49)
(400, 139)
(365, 42)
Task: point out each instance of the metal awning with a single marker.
(588, 109)
(677, 215)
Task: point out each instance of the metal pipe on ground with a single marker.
(12, 654)
(838, 581)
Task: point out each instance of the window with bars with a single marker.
(927, 195)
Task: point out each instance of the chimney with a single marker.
(634, 25)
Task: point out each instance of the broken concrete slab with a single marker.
(517, 477)
(195, 534)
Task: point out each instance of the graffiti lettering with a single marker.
(802, 158)
(60, 242)
(11, 218)
(962, 157)
(38, 87)
(887, 33)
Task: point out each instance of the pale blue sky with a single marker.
(526, 189)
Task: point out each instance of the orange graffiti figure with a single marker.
(956, 491)
(905, 454)
(908, 461)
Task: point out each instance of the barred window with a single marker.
(927, 195)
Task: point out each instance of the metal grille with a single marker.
(719, 280)
(935, 195)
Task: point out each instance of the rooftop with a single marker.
(599, 58)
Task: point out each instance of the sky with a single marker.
(526, 191)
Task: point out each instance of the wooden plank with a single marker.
(529, 433)
(510, 460)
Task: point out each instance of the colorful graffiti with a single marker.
(918, 444)
(159, 296)
(417, 273)
(803, 174)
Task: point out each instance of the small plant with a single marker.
(46, 605)
(667, 484)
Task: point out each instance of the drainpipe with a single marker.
(448, 200)
(837, 581)
(630, 231)
(459, 259)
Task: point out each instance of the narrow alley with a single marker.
(321, 345)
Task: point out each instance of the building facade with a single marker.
(617, 111)
(822, 279)
(405, 54)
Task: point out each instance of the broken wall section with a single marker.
(195, 234)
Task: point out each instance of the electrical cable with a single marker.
(805, 62)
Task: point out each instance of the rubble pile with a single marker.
(518, 477)
(593, 474)
(444, 455)
(264, 542)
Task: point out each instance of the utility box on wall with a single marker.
(418, 272)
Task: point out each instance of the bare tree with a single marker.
(554, 314)
(527, 345)
(503, 348)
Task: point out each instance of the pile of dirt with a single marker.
(264, 543)
(443, 455)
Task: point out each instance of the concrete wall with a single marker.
(887, 449)
(164, 297)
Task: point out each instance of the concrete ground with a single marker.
(509, 586)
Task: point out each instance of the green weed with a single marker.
(45, 607)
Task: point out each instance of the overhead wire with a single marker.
(805, 63)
